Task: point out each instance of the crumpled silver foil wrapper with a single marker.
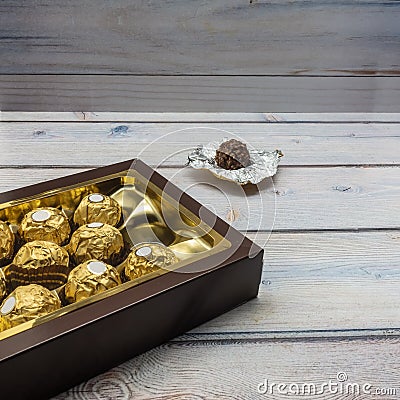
(263, 164)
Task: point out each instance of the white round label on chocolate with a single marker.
(97, 267)
(8, 305)
(144, 251)
(41, 215)
(95, 225)
(96, 198)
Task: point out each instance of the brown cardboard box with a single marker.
(219, 269)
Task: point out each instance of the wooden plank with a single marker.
(315, 284)
(353, 297)
(298, 199)
(330, 255)
(231, 369)
(232, 37)
(288, 307)
(84, 131)
(82, 116)
(168, 144)
(198, 93)
(309, 198)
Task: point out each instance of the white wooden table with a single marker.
(330, 294)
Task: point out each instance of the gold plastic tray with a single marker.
(149, 215)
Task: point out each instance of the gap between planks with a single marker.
(234, 370)
(330, 335)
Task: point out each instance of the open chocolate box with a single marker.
(210, 269)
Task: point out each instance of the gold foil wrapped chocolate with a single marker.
(97, 207)
(96, 241)
(90, 278)
(26, 303)
(39, 262)
(3, 285)
(7, 240)
(46, 223)
(146, 258)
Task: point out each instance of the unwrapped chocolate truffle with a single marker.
(26, 303)
(146, 258)
(47, 223)
(39, 262)
(232, 154)
(6, 243)
(96, 241)
(98, 208)
(90, 278)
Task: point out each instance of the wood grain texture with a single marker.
(329, 298)
(288, 307)
(199, 93)
(168, 144)
(233, 370)
(83, 116)
(297, 199)
(87, 116)
(220, 55)
(319, 285)
(232, 37)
